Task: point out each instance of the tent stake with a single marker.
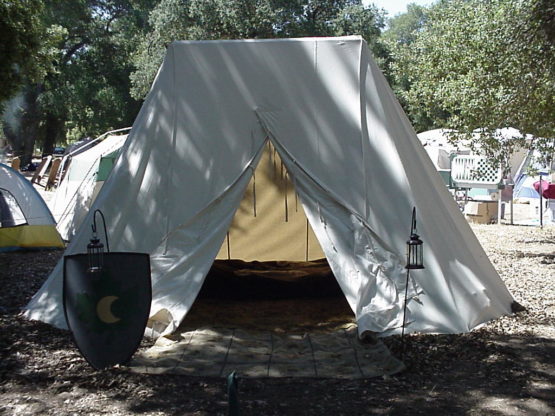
(254, 192)
(404, 315)
(414, 261)
(307, 239)
(541, 203)
(286, 204)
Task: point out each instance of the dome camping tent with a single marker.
(352, 158)
(25, 221)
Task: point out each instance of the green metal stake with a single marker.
(233, 400)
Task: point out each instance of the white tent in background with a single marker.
(350, 153)
(75, 193)
(441, 150)
(439, 138)
(439, 157)
(519, 154)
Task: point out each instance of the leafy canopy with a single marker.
(238, 19)
(25, 45)
(483, 64)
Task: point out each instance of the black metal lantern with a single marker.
(95, 249)
(414, 261)
(95, 253)
(415, 256)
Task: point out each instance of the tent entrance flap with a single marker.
(270, 223)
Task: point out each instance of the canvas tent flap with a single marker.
(106, 164)
(349, 149)
(370, 275)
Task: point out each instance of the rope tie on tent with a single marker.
(322, 219)
(274, 162)
(270, 156)
(228, 247)
(296, 194)
(307, 225)
(254, 192)
(286, 204)
(93, 226)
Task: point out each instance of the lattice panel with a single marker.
(474, 172)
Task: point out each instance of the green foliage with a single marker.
(25, 45)
(86, 86)
(194, 20)
(478, 64)
(365, 21)
(238, 19)
(402, 32)
(91, 87)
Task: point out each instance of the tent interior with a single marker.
(271, 261)
(270, 205)
(10, 211)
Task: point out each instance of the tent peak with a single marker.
(280, 40)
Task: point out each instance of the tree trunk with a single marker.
(53, 128)
(30, 124)
(21, 126)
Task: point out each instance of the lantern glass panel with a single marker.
(415, 254)
(95, 251)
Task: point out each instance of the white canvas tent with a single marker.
(76, 191)
(439, 139)
(352, 157)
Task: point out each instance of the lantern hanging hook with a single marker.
(413, 224)
(93, 226)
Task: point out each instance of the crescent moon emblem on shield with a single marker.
(104, 310)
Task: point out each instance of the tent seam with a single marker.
(174, 122)
(363, 125)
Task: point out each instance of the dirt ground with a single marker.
(505, 368)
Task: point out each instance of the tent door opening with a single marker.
(270, 223)
(270, 251)
(11, 214)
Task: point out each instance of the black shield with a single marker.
(107, 310)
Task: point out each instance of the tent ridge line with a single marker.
(174, 138)
(363, 123)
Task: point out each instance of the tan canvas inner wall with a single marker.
(270, 224)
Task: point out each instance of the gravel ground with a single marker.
(507, 367)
